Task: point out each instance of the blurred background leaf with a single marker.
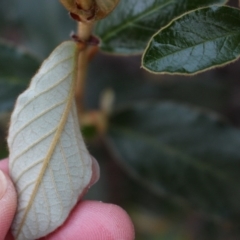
(17, 64)
(180, 152)
(17, 68)
(40, 26)
(130, 26)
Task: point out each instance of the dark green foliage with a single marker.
(177, 153)
(128, 29)
(182, 152)
(16, 68)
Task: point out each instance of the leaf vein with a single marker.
(50, 69)
(35, 118)
(27, 169)
(125, 24)
(45, 91)
(193, 161)
(66, 167)
(31, 146)
(55, 189)
(25, 187)
(189, 48)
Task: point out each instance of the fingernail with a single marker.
(3, 184)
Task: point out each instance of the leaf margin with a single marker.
(179, 73)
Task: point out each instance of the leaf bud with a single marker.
(89, 10)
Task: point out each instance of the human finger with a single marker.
(8, 203)
(95, 220)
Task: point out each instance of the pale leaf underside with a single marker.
(49, 162)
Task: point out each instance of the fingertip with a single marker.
(118, 222)
(96, 220)
(4, 165)
(8, 204)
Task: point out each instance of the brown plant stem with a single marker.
(84, 30)
(84, 33)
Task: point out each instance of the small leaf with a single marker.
(49, 162)
(195, 42)
(128, 29)
(180, 153)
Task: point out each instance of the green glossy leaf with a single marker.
(180, 153)
(128, 29)
(195, 42)
(16, 69)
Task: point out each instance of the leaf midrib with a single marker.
(230, 34)
(150, 140)
(121, 27)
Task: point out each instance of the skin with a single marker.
(88, 220)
